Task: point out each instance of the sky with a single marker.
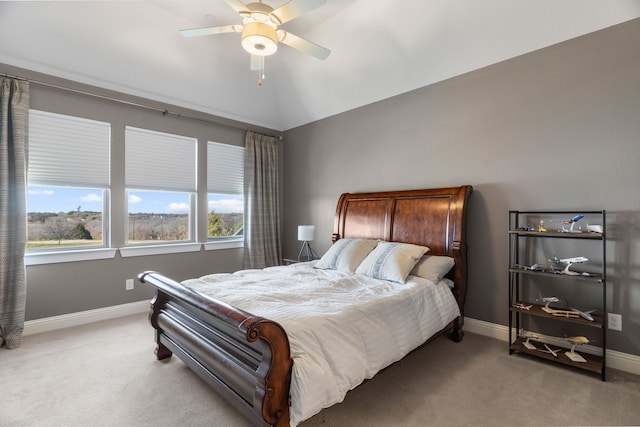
(57, 199)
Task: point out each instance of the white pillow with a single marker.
(346, 254)
(433, 267)
(391, 261)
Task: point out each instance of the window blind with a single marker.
(159, 161)
(68, 151)
(225, 168)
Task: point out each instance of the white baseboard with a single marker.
(615, 359)
(53, 323)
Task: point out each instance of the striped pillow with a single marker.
(391, 261)
(346, 254)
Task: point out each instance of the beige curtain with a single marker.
(262, 246)
(14, 117)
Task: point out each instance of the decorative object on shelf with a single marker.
(584, 314)
(547, 301)
(571, 222)
(566, 263)
(528, 336)
(306, 234)
(523, 306)
(554, 353)
(594, 228)
(574, 341)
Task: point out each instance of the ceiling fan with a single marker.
(260, 32)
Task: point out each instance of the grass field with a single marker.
(52, 244)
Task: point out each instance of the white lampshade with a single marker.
(306, 233)
(259, 38)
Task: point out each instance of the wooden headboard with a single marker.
(435, 218)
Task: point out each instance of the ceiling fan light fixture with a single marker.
(259, 39)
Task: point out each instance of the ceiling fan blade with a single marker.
(304, 45)
(196, 32)
(295, 8)
(238, 6)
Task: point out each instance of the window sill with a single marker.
(131, 251)
(38, 258)
(223, 244)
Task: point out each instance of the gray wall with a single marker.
(56, 289)
(554, 129)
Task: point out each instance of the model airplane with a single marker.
(531, 335)
(584, 314)
(564, 313)
(552, 352)
(571, 313)
(568, 262)
(595, 228)
(547, 301)
(571, 223)
(533, 267)
(528, 335)
(522, 306)
(574, 341)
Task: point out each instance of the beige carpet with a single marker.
(105, 374)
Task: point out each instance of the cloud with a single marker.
(178, 208)
(134, 199)
(91, 198)
(41, 192)
(226, 206)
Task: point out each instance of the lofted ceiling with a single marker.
(379, 48)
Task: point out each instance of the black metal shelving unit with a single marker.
(521, 228)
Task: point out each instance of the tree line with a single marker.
(86, 225)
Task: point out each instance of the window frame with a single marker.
(186, 187)
(116, 221)
(90, 176)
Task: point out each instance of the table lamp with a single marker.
(306, 234)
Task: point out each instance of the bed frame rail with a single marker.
(243, 357)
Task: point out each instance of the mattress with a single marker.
(343, 328)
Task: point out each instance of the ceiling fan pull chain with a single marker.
(261, 70)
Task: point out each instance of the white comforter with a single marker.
(343, 328)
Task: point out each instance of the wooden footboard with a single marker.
(244, 357)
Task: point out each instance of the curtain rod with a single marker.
(164, 112)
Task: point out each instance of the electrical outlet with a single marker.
(129, 284)
(615, 321)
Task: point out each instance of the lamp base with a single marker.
(306, 253)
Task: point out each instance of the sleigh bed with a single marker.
(249, 358)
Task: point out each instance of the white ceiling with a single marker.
(378, 49)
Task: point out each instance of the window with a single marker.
(160, 179)
(68, 182)
(225, 200)
(159, 217)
